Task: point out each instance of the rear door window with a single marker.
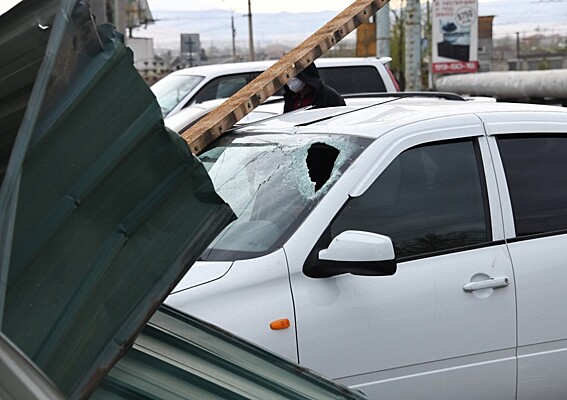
(535, 172)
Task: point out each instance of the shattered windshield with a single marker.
(170, 90)
(271, 182)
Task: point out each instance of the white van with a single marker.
(412, 249)
(196, 85)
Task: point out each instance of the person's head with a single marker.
(310, 76)
(295, 84)
(305, 80)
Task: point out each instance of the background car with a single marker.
(196, 85)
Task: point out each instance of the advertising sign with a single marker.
(455, 36)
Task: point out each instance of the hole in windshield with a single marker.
(320, 162)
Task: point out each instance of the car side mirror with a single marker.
(357, 253)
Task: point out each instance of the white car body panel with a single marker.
(203, 272)
(413, 319)
(418, 333)
(541, 279)
(250, 295)
(371, 330)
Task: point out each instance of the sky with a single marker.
(238, 6)
(5, 5)
(508, 12)
(263, 6)
(259, 6)
(241, 6)
(524, 16)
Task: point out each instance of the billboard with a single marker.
(455, 36)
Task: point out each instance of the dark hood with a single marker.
(310, 76)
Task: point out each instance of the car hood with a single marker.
(203, 272)
(102, 209)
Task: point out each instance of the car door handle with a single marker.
(492, 283)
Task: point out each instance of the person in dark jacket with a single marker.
(308, 89)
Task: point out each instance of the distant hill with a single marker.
(214, 26)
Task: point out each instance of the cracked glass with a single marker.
(272, 182)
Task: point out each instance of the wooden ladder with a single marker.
(266, 84)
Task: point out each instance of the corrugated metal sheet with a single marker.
(22, 46)
(102, 209)
(20, 378)
(179, 357)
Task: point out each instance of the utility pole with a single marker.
(429, 38)
(383, 48)
(413, 45)
(233, 37)
(517, 51)
(190, 43)
(250, 36)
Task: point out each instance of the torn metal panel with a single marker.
(102, 209)
(20, 378)
(179, 357)
(24, 32)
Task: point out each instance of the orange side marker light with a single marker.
(279, 324)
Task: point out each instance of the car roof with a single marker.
(374, 117)
(252, 66)
(188, 116)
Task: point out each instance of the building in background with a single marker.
(485, 43)
(137, 14)
(126, 15)
(151, 67)
(366, 40)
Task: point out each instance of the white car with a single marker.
(189, 116)
(195, 85)
(412, 249)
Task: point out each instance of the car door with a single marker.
(531, 171)
(444, 325)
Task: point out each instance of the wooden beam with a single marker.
(266, 84)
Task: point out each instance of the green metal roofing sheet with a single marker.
(180, 357)
(102, 209)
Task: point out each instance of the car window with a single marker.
(349, 79)
(172, 89)
(429, 199)
(279, 92)
(220, 88)
(272, 182)
(353, 79)
(535, 171)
